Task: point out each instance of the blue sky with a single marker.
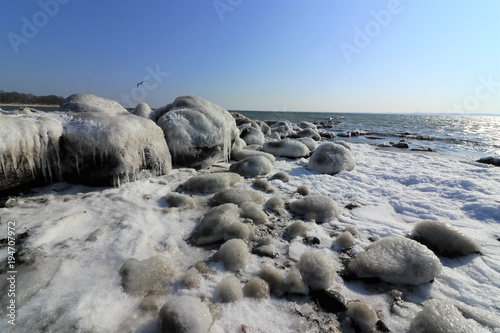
(294, 55)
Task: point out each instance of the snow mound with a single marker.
(319, 208)
(444, 240)
(443, 317)
(252, 166)
(331, 158)
(212, 183)
(317, 269)
(238, 196)
(198, 133)
(214, 223)
(397, 260)
(153, 275)
(29, 149)
(184, 314)
(286, 148)
(92, 103)
(180, 201)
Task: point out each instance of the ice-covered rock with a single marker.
(397, 260)
(198, 133)
(153, 275)
(444, 240)
(184, 314)
(310, 143)
(180, 201)
(252, 134)
(229, 290)
(29, 149)
(144, 110)
(242, 154)
(91, 103)
(331, 158)
(308, 133)
(256, 288)
(305, 124)
(254, 212)
(443, 317)
(282, 128)
(317, 269)
(263, 185)
(238, 196)
(286, 148)
(252, 166)
(212, 182)
(295, 229)
(214, 224)
(363, 316)
(233, 254)
(319, 208)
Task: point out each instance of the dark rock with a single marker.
(401, 144)
(311, 240)
(265, 251)
(329, 300)
(493, 160)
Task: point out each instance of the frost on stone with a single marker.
(92, 103)
(397, 260)
(331, 158)
(444, 240)
(252, 166)
(233, 254)
(212, 182)
(241, 154)
(238, 196)
(184, 314)
(256, 288)
(319, 208)
(317, 269)
(198, 133)
(363, 316)
(214, 224)
(29, 149)
(251, 133)
(153, 275)
(229, 290)
(443, 317)
(286, 148)
(144, 110)
(254, 212)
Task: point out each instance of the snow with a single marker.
(88, 233)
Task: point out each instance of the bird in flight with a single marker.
(138, 84)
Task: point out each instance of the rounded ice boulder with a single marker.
(215, 223)
(286, 148)
(233, 254)
(144, 110)
(397, 260)
(184, 314)
(153, 275)
(444, 240)
(317, 269)
(331, 158)
(252, 166)
(199, 133)
(212, 182)
(319, 208)
(91, 103)
(238, 196)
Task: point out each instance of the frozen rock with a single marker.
(181, 201)
(198, 133)
(92, 103)
(317, 269)
(212, 182)
(331, 158)
(274, 278)
(281, 176)
(254, 212)
(319, 208)
(308, 133)
(345, 240)
(493, 160)
(29, 149)
(263, 185)
(256, 288)
(294, 284)
(397, 260)
(184, 314)
(143, 110)
(306, 124)
(295, 229)
(242, 154)
(310, 143)
(444, 240)
(443, 317)
(286, 148)
(238, 196)
(214, 223)
(228, 290)
(303, 190)
(252, 134)
(363, 316)
(282, 128)
(153, 275)
(252, 166)
(233, 254)
(191, 278)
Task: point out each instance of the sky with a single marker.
(273, 55)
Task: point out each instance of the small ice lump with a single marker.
(184, 314)
(317, 269)
(319, 208)
(331, 158)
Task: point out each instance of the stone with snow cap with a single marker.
(91, 103)
(286, 148)
(199, 133)
(331, 158)
(184, 314)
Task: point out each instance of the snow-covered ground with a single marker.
(82, 236)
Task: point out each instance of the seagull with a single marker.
(138, 84)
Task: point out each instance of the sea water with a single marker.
(467, 135)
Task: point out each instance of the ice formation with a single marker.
(286, 148)
(181, 201)
(274, 278)
(214, 223)
(233, 254)
(184, 314)
(238, 196)
(92, 103)
(443, 239)
(319, 208)
(241, 154)
(254, 212)
(281, 176)
(212, 182)
(252, 166)
(295, 229)
(256, 288)
(263, 185)
(397, 260)
(229, 290)
(317, 269)
(282, 128)
(363, 316)
(331, 158)
(143, 110)
(252, 134)
(198, 133)
(153, 275)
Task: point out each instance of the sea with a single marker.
(472, 136)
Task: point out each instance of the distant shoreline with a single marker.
(29, 105)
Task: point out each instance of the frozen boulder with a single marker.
(92, 103)
(310, 143)
(397, 260)
(306, 124)
(214, 224)
(180, 201)
(331, 158)
(242, 154)
(144, 110)
(198, 133)
(282, 128)
(238, 196)
(252, 134)
(29, 149)
(363, 316)
(319, 208)
(228, 290)
(286, 148)
(256, 288)
(184, 314)
(317, 269)
(443, 317)
(308, 133)
(254, 212)
(233, 254)
(493, 160)
(100, 149)
(444, 240)
(153, 275)
(252, 166)
(212, 182)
